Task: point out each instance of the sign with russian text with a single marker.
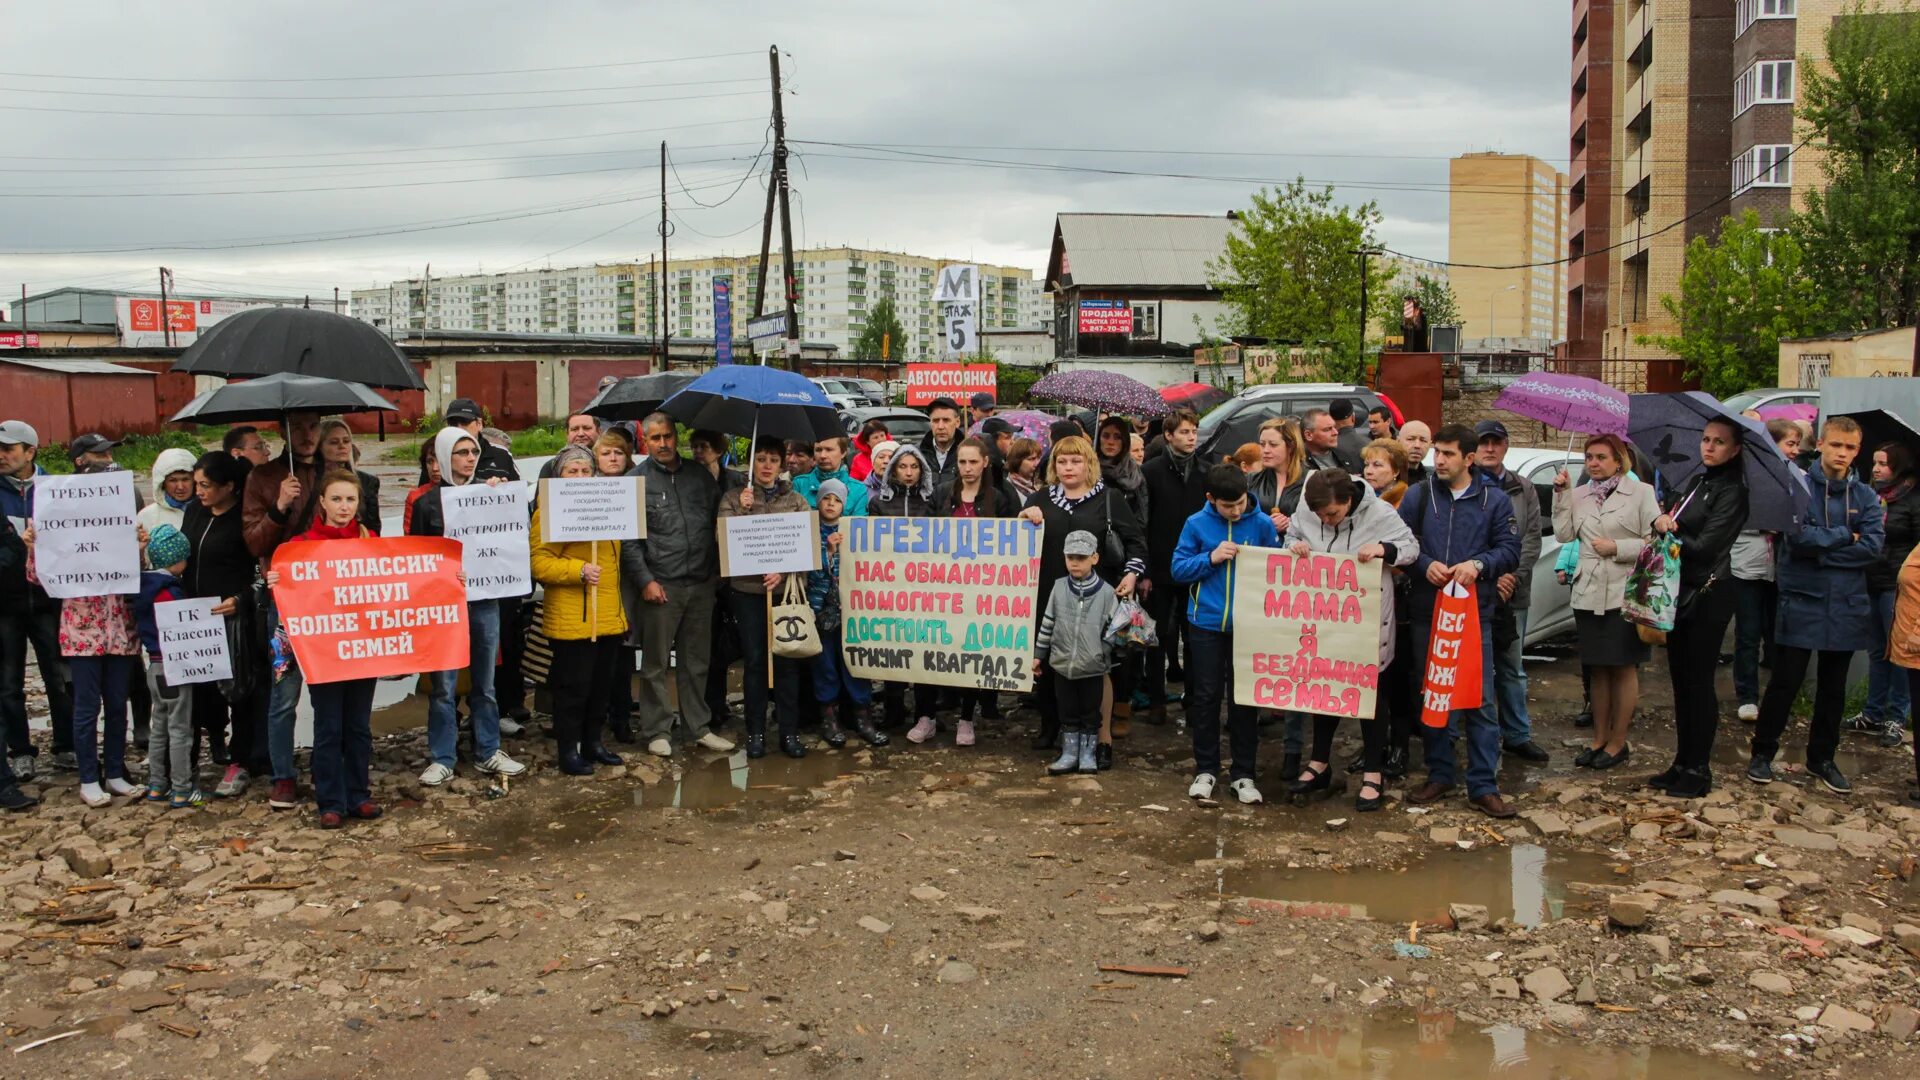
(767, 327)
(361, 609)
(940, 601)
(722, 320)
(755, 544)
(928, 382)
(193, 642)
(490, 521)
(1106, 317)
(593, 508)
(19, 341)
(1452, 678)
(1306, 631)
(85, 542)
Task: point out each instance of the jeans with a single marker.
(21, 624)
(170, 741)
(1887, 699)
(1209, 682)
(283, 702)
(1480, 725)
(830, 675)
(1693, 648)
(1829, 701)
(342, 743)
(483, 649)
(1510, 674)
(681, 630)
(750, 616)
(100, 685)
(1754, 603)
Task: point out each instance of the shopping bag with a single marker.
(1131, 627)
(1653, 589)
(1453, 656)
(795, 637)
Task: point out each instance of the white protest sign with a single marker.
(490, 521)
(193, 642)
(593, 508)
(84, 540)
(757, 544)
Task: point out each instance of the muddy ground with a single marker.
(920, 911)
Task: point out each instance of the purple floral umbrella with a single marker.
(1026, 423)
(1103, 391)
(1567, 402)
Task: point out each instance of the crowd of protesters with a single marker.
(1132, 512)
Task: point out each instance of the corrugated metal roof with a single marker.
(1141, 249)
(77, 367)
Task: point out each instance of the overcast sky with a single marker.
(1371, 95)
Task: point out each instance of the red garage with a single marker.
(64, 398)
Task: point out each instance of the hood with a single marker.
(922, 491)
(171, 460)
(1366, 523)
(443, 445)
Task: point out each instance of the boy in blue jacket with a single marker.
(1203, 561)
(170, 777)
(1467, 533)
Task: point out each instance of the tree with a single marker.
(1436, 299)
(1291, 273)
(1739, 296)
(1861, 235)
(883, 324)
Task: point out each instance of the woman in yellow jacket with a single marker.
(1903, 644)
(586, 625)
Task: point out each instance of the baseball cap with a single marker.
(1081, 542)
(92, 443)
(19, 433)
(982, 400)
(463, 410)
(1490, 429)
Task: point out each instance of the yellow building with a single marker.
(1507, 210)
(1871, 354)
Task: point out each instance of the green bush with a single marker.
(539, 441)
(136, 453)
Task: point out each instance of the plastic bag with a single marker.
(1653, 589)
(1131, 627)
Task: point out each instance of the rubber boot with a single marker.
(756, 736)
(863, 727)
(830, 730)
(1069, 759)
(1087, 755)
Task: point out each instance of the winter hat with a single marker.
(166, 546)
(887, 445)
(835, 488)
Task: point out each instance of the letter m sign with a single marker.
(958, 285)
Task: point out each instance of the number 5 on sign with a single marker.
(962, 334)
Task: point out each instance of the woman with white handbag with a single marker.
(765, 493)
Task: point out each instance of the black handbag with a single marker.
(246, 647)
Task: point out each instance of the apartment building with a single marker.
(1590, 171)
(1507, 210)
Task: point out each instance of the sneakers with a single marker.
(281, 796)
(1760, 770)
(233, 784)
(710, 741)
(15, 800)
(1830, 775)
(963, 733)
(1750, 713)
(661, 747)
(156, 792)
(93, 796)
(435, 775)
(1891, 735)
(1861, 724)
(510, 727)
(190, 799)
(1245, 790)
(500, 765)
(923, 730)
(118, 785)
(1202, 786)
(22, 766)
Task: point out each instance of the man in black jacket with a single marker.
(1176, 490)
(28, 615)
(942, 443)
(464, 413)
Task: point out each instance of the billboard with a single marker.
(928, 382)
(139, 318)
(1106, 317)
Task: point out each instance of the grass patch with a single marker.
(136, 454)
(539, 441)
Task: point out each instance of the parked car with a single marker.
(1773, 395)
(903, 425)
(1236, 421)
(848, 393)
(876, 394)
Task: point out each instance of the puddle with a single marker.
(1436, 1046)
(736, 780)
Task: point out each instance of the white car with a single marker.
(1550, 611)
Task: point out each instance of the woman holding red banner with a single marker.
(1611, 516)
(343, 710)
(1345, 517)
(586, 625)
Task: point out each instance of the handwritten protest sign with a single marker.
(593, 508)
(1452, 679)
(85, 542)
(1306, 631)
(193, 642)
(490, 521)
(756, 544)
(360, 609)
(942, 601)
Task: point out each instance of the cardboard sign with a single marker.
(593, 508)
(85, 542)
(1306, 631)
(490, 521)
(1452, 678)
(193, 642)
(756, 544)
(940, 601)
(928, 382)
(360, 609)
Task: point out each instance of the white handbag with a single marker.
(793, 635)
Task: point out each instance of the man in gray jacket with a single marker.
(1515, 589)
(675, 571)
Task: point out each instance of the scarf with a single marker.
(1058, 494)
(350, 531)
(1603, 489)
(177, 504)
(1892, 491)
(1181, 462)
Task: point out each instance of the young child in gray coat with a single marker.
(1073, 641)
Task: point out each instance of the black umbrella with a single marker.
(269, 340)
(1666, 430)
(1877, 428)
(271, 397)
(638, 396)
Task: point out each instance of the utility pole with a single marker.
(786, 213)
(336, 299)
(1366, 264)
(166, 323)
(653, 309)
(666, 227)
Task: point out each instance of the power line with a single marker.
(675, 166)
(381, 112)
(148, 95)
(378, 78)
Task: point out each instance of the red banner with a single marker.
(1453, 656)
(360, 609)
(928, 382)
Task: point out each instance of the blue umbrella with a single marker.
(746, 399)
(1666, 429)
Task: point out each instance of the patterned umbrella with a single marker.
(1106, 391)
(1193, 395)
(1568, 402)
(1666, 430)
(1027, 424)
(1805, 413)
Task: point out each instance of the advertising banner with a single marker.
(722, 320)
(928, 382)
(1306, 631)
(1106, 317)
(360, 609)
